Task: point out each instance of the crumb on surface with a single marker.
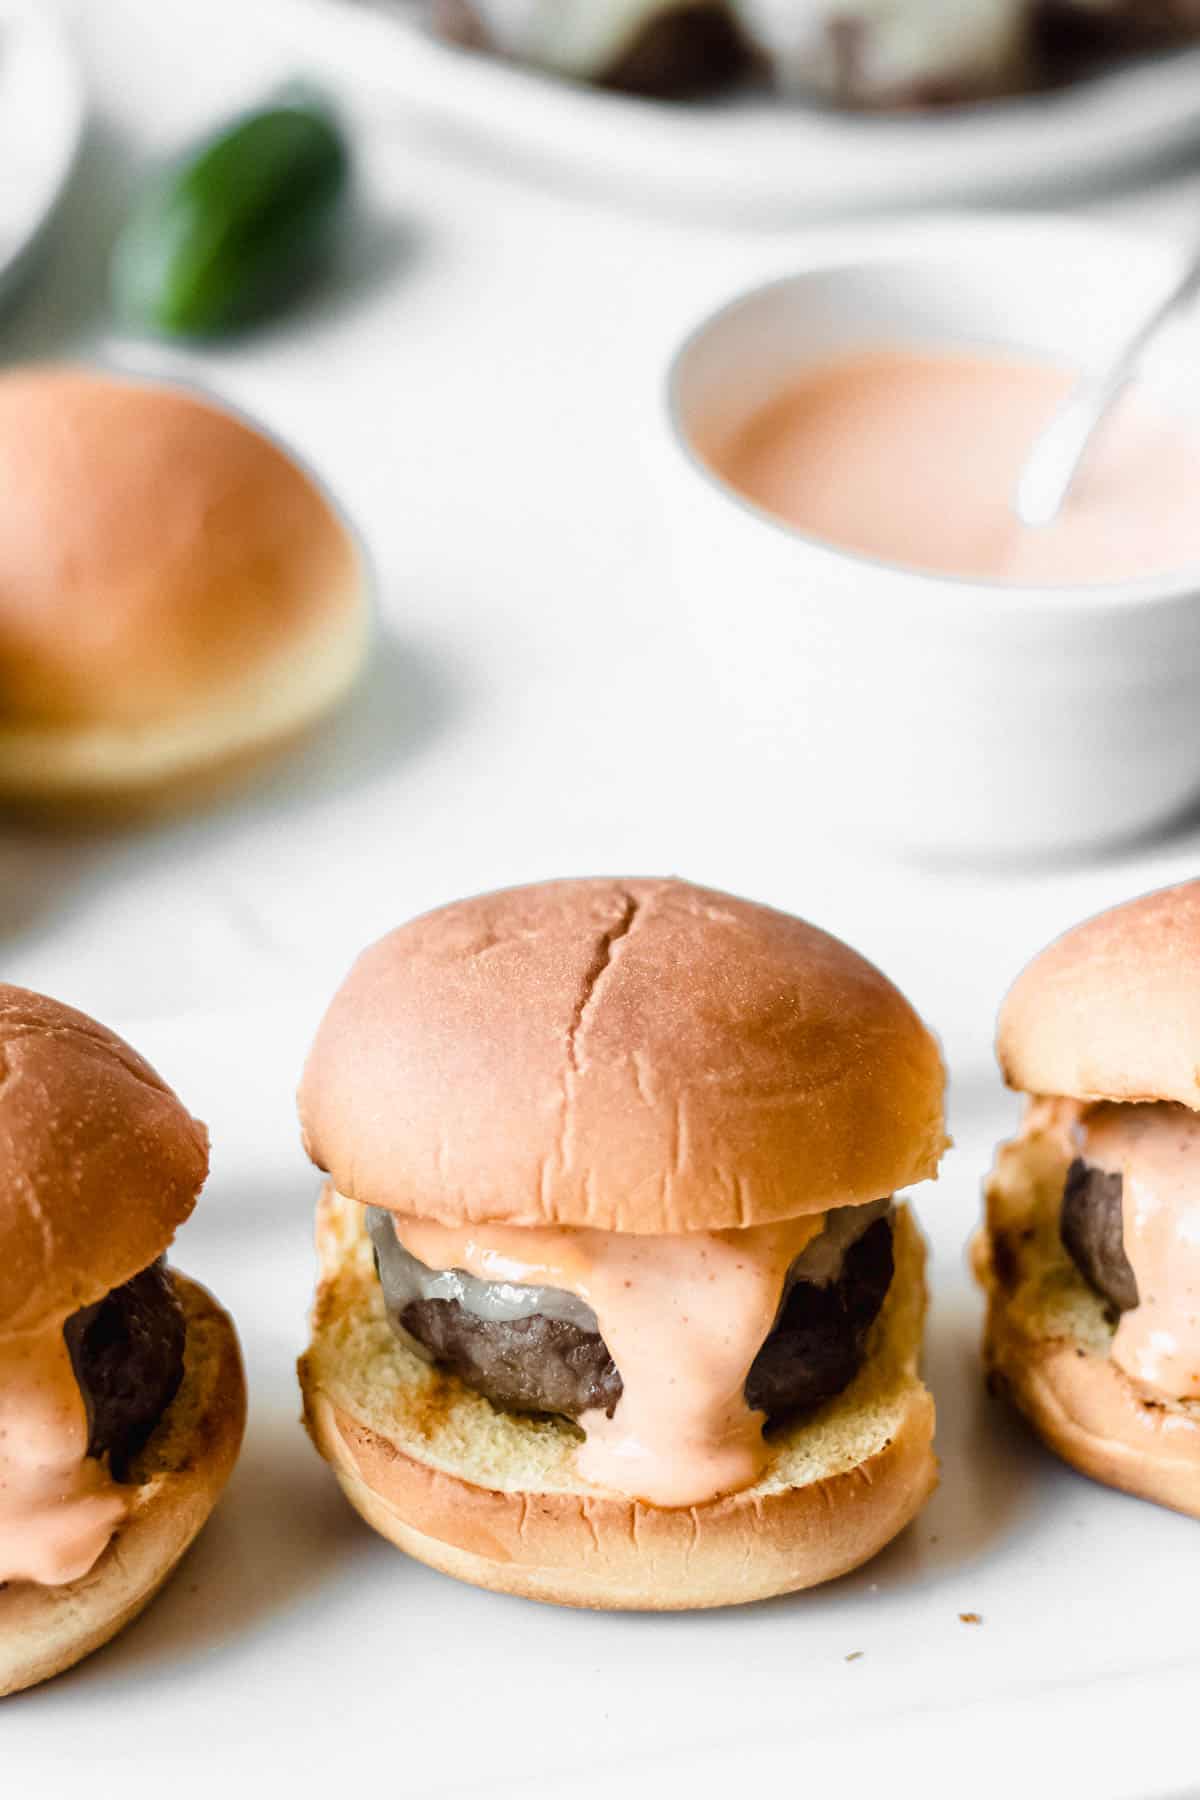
(854, 1655)
(971, 1618)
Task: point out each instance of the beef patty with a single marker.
(817, 1344)
(127, 1353)
(1092, 1228)
(544, 1364)
(690, 50)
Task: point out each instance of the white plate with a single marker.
(296, 1653)
(756, 157)
(41, 121)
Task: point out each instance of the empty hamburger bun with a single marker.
(177, 597)
(492, 1496)
(1111, 1011)
(178, 1478)
(1048, 1336)
(642, 1056)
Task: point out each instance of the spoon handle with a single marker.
(1054, 460)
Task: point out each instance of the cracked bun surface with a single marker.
(615, 1308)
(636, 1056)
(177, 596)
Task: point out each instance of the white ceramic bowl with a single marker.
(940, 714)
(42, 108)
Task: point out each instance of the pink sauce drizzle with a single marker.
(1156, 1151)
(684, 1317)
(58, 1506)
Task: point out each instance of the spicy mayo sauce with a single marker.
(58, 1506)
(684, 1318)
(912, 456)
(1156, 1151)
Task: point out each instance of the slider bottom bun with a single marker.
(178, 1477)
(1047, 1341)
(492, 1496)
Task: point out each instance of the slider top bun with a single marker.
(1111, 1011)
(640, 1056)
(156, 553)
(99, 1162)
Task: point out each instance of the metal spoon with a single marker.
(1054, 461)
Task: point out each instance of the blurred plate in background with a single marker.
(41, 122)
(757, 157)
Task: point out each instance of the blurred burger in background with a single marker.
(873, 54)
(616, 1305)
(663, 47)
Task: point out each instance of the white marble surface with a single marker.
(479, 387)
(41, 118)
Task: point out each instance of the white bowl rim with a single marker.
(844, 250)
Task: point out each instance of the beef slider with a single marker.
(644, 1109)
(122, 1397)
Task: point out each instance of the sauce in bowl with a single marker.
(911, 456)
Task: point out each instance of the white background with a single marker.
(479, 386)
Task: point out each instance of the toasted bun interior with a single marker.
(99, 1161)
(492, 1496)
(176, 594)
(639, 1055)
(178, 1476)
(1111, 1011)
(1048, 1336)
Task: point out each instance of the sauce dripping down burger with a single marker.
(122, 1398)
(1090, 1253)
(609, 1243)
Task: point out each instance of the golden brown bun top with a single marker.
(1111, 1011)
(99, 1162)
(153, 550)
(636, 1055)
